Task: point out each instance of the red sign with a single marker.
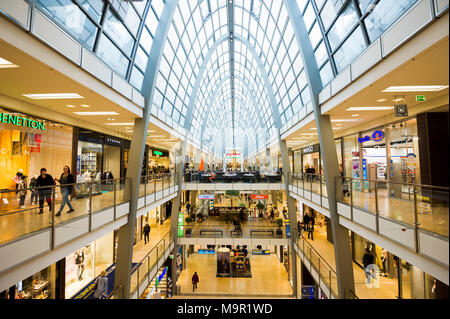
(260, 196)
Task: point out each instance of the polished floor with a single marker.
(269, 278)
(16, 221)
(388, 288)
(433, 218)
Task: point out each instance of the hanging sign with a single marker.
(21, 121)
(260, 196)
(411, 161)
(205, 196)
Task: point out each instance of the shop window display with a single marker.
(26, 148)
(39, 286)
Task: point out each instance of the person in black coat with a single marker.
(65, 180)
(45, 193)
(146, 233)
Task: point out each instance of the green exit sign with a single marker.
(157, 153)
(420, 98)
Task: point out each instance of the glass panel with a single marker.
(383, 15)
(72, 18)
(93, 7)
(342, 26)
(118, 32)
(351, 48)
(109, 53)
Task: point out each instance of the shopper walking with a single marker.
(22, 190)
(33, 189)
(101, 286)
(44, 181)
(368, 259)
(17, 178)
(310, 230)
(195, 281)
(188, 208)
(66, 179)
(306, 220)
(146, 233)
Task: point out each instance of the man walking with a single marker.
(195, 281)
(188, 208)
(146, 233)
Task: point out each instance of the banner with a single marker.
(258, 196)
(205, 196)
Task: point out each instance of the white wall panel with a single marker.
(141, 202)
(397, 232)
(70, 230)
(122, 86)
(23, 249)
(434, 247)
(46, 30)
(366, 60)
(97, 68)
(364, 218)
(341, 81)
(440, 6)
(413, 21)
(325, 94)
(315, 198)
(17, 9)
(344, 210)
(102, 218)
(138, 98)
(122, 210)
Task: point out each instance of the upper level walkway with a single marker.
(99, 207)
(410, 220)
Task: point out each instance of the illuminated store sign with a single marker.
(157, 153)
(376, 137)
(233, 155)
(21, 121)
(260, 196)
(205, 196)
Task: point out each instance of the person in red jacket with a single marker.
(195, 280)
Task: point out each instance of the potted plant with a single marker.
(279, 222)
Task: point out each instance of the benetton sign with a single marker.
(21, 121)
(257, 196)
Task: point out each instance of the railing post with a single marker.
(351, 198)
(377, 211)
(329, 275)
(53, 206)
(320, 185)
(115, 198)
(90, 206)
(145, 190)
(416, 219)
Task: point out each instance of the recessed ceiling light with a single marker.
(6, 64)
(96, 113)
(129, 131)
(53, 96)
(398, 100)
(354, 115)
(345, 120)
(370, 108)
(308, 134)
(158, 136)
(382, 100)
(85, 105)
(71, 106)
(415, 88)
(111, 119)
(151, 131)
(119, 124)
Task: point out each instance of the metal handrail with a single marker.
(317, 253)
(156, 246)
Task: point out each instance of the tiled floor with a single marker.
(387, 288)
(269, 277)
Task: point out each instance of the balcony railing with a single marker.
(195, 230)
(239, 177)
(20, 212)
(148, 263)
(419, 207)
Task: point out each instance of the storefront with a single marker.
(41, 285)
(88, 262)
(158, 160)
(30, 143)
(311, 159)
(409, 282)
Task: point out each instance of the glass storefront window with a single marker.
(30, 149)
(39, 286)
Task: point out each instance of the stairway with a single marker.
(162, 286)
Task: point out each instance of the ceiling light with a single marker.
(354, 115)
(111, 119)
(119, 124)
(399, 100)
(85, 105)
(382, 100)
(151, 131)
(370, 108)
(6, 64)
(158, 136)
(71, 106)
(96, 113)
(308, 134)
(345, 120)
(53, 96)
(415, 88)
(129, 131)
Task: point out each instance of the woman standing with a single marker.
(66, 178)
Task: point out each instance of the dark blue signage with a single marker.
(376, 137)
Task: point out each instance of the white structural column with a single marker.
(126, 233)
(341, 240)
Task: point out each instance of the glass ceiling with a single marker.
(226, 94)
